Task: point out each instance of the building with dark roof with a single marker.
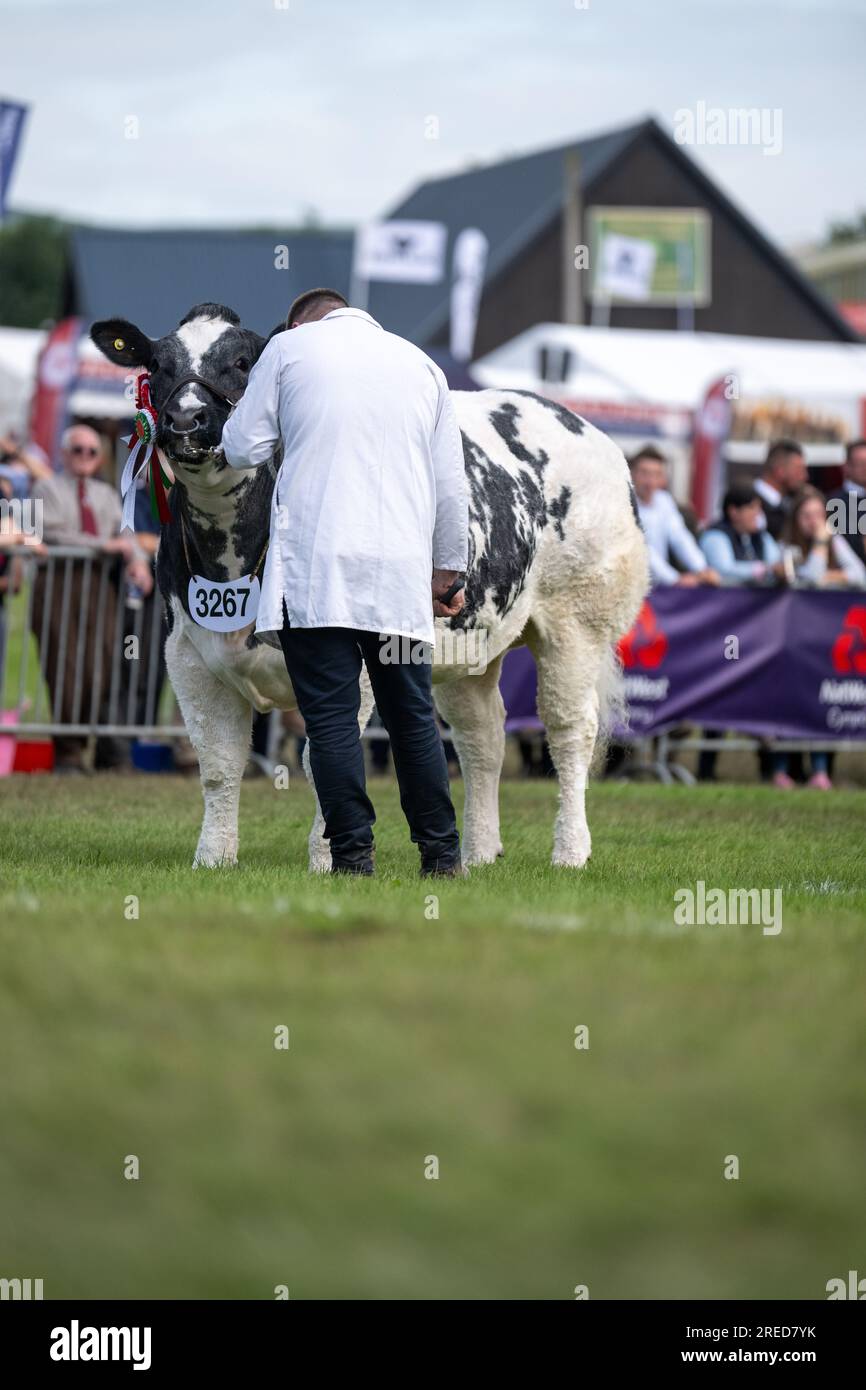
(522, 206)
(534, 210)
(153, 277)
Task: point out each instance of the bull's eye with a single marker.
(242, 364)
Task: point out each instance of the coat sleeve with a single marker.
(451, 529)
(252, 431)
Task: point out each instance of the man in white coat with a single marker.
(369, 532)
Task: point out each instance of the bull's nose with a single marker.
(186, 421)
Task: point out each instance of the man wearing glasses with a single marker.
(79, 509)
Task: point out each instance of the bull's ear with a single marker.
(280, 328)
(257, 344)
(122, 343)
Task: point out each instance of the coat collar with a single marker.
(351, 313)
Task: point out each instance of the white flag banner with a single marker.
(469, 263)
(627, 267)
(413, 252)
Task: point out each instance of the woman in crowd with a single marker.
(826, 560)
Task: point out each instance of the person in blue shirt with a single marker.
(738, 546)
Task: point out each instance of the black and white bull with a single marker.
(557, 562)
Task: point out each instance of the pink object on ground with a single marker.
(7, 742)
(821, 781)
(22, 755)
(782, 782)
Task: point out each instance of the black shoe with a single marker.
(442, 868)
(358, 861)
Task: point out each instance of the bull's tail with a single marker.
(612, 710)
(610, 686)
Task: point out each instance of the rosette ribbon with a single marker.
(144, 456)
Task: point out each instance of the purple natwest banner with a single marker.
(777, 663)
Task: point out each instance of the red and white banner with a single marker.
(56, 374)
(712, 428)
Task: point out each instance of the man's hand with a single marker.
(120, 545)
(707, 576)
(139, 574)
(441, 583)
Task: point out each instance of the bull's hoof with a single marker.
(575, 860)
(209, 860)
(471, 858)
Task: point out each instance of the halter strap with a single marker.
(193, 379)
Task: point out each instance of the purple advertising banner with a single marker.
(776, 663)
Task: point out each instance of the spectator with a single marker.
(21, 465)
(852, 495)
(666, 533)
(782, 476)
(11, 566)
(825, 560)
(742, 551)
(82, 511)
(738, 546)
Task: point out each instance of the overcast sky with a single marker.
(255, 111)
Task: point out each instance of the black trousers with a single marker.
(324, 665)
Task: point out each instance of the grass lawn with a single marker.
(412, 1037)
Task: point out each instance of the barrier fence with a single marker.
(81, 657)
(784, 669)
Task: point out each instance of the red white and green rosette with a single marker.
(144, 455)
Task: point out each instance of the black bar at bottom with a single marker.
(160, 1338)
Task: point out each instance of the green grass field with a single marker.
(412, 1037)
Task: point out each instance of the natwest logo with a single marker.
(646, 645)
(849, 650)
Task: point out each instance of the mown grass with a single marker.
(414, 1036)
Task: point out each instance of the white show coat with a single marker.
(372, 490)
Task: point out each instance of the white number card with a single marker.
(224, 607)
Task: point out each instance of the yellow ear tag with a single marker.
(119, 344)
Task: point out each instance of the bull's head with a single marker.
(209, 343)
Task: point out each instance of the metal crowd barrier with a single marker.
(71, 628)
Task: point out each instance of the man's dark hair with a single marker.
(739, 495)
(307, 306)
(650, 452)
(851, 446)
(780, 447)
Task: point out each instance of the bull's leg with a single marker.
(569, 660)
(219, 723)
(473, 707)
(320, 851)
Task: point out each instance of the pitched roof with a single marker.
(153, 277)
(515, 200)
(511, 202)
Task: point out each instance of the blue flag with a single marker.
(12, 116)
